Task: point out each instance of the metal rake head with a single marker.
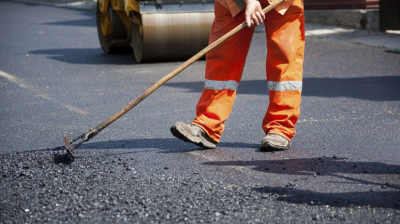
(70, 145)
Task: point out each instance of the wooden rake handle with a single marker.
(92, 132)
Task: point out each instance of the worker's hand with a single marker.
(253, 14)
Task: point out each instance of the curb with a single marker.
(367, 19)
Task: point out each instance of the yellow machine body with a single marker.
(156, 30)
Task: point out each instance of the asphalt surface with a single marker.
(344, 165)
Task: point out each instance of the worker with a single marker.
(284, 29)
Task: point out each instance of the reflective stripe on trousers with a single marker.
(285, 86)
(220, 85)
(224, 68)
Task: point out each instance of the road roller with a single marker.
(161, 30)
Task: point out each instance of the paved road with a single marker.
(55, 80)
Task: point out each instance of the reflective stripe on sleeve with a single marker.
(284, 86)
(220, 85)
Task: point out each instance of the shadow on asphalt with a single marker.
(392, 52)
(95, 56)
(63, 159)
(388, 197)
(323, 166)
(161, 145)
(166, 145)
(81, 22)
(382, 199)
(88, 56)
(383, 88)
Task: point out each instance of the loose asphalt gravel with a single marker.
(47, 186)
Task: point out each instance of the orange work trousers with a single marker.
(284, 68)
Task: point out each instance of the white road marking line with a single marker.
(39, 93)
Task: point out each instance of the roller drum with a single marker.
(171, 36)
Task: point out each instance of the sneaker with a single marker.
(274, 142)
(193, 134)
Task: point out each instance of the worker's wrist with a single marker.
(249, 1)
